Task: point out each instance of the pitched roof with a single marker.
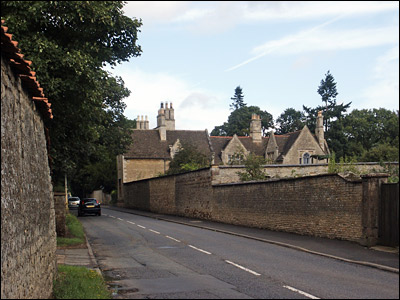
(220, 142)
(147, 143)
(285, 142)
(22, 67)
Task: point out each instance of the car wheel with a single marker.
(99, 214)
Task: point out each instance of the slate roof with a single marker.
(22, 67)
(285, 142)
(147, 143)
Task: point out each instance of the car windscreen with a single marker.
(73, 199)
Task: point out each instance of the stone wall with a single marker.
(28, 234)
(323, 205)
(228, 174)
(60, 208)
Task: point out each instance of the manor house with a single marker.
(152, 149)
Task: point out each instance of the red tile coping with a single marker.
(22, 67)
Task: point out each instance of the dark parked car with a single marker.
(89, 206)
(73, 202)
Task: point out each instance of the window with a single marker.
(306, 159)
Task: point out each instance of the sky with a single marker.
(196, 53)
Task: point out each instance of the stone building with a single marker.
(28, 233)
(153, 149)
(299, 147)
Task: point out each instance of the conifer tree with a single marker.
(237, 99)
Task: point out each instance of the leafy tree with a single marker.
(70, 42)
(188, 159)
(289, 121)
(253, 168)
(237, 99)
(239, 122)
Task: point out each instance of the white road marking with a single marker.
(120, 219)
(154, 231)
(243, 268)
(131, 223)
(198, 249)
(172, 239)
(141, 226)
(112, 217)
(300, 292)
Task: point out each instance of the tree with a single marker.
(187, 159)
(253, 168)
(370, 132)
(70, 42)
(289, 121)
(237, 99)
(239, 122)
(328, 92)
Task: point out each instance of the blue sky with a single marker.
(196, 53)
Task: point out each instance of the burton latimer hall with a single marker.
(152, 149)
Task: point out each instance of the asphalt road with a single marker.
(145, 258)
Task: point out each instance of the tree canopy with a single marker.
(69, 43)
(289, 121)
(188, 159)
(239, 119)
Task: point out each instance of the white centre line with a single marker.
(120, 219)
(154, 231)
(243, 268)
(300, 292)
(141, 226)
(131, 223)
(167, 236)
(198, 249)
(112, 217)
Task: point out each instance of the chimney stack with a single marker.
(162, 129)
(169, 117)
(255, 128)
(319, 130)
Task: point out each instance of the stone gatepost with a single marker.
(61, 213)
(371, 201)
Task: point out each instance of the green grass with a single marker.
(75, 282)
(76, 236)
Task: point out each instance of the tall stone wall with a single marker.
(228, 174)
(28, 234)
(323, 205)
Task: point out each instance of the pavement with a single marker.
(380, 257)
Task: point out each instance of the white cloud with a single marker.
(385, 90)
(217, 16)
(283, 10)
(320, 39)
(195, 108)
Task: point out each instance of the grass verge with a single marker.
(75, 282)
(75, 235)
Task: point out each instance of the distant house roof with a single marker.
(220, 142)
(22, 67)
(147, 144)
(285, 142)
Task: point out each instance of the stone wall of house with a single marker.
(323, 205)
(135, 169)
(28, 234)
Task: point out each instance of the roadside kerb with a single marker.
(364, 263)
